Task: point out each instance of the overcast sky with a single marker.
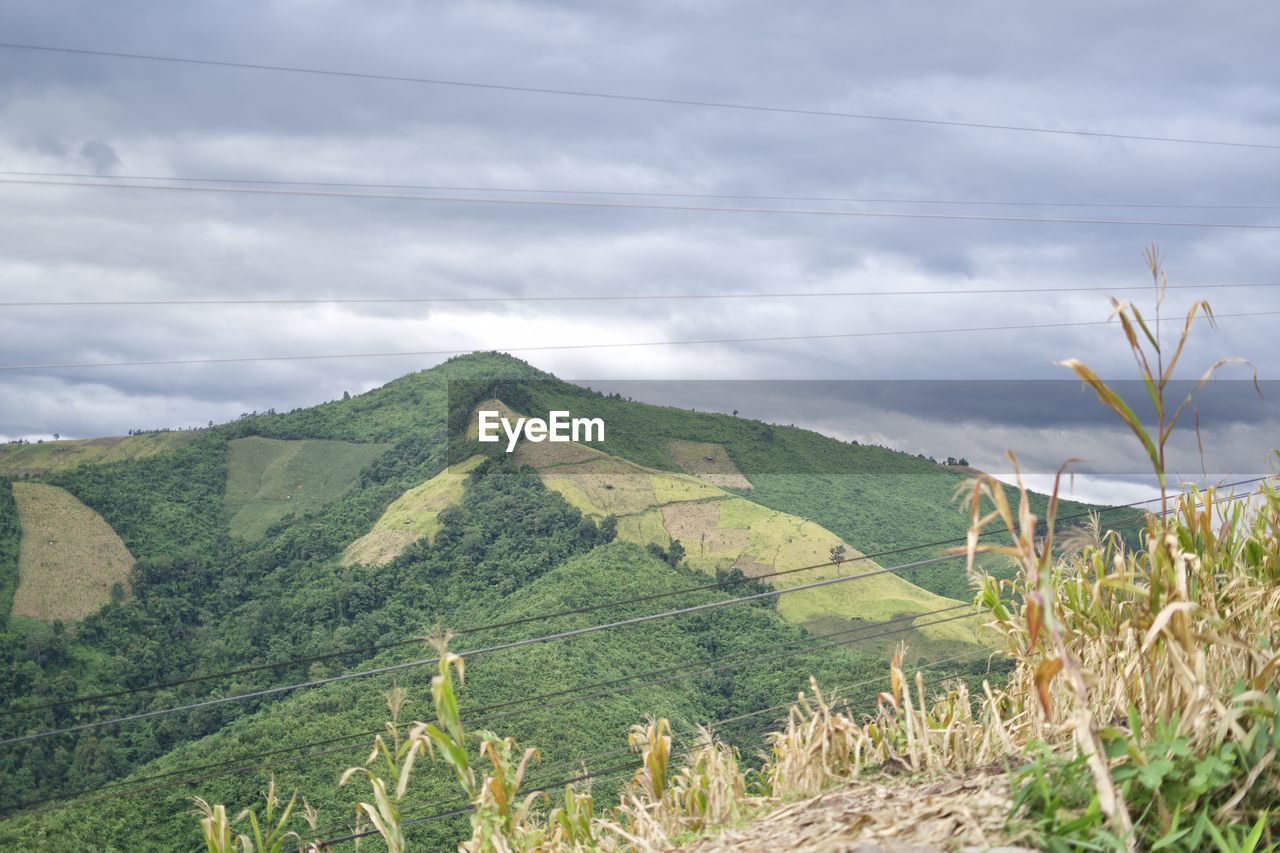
(1190, 70)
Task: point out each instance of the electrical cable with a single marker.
(567, 347)
(611, 297)
(617, 205)
(616, 96)
(234, 766)
(634, 193)
(577, 611)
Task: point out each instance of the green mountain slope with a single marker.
(205, 599)
(268, 479)
(478, 568)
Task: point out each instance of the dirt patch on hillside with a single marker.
(708, 462)
(959, 813)
(69, 557)
(549, 455)
(608, 490)
(751, 568)
(697, 525)
(379, 546)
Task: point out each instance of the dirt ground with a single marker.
(960, 813)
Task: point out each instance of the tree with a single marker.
(837, 554)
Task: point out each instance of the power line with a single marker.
(562, 347)
(802, 650)
(484, 714)
(611, 297)
(458, 810)
(546, 617)
(512, 644)
(615, 205)
(733, 656)
(642, 194)
(684, 676)
(651, 99)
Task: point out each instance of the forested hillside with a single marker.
(216, 590)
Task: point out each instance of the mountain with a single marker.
(371, 520)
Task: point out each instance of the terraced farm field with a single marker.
(719, 531)
(270, 478)
(411, 517)
(69, 558)
(17, 460)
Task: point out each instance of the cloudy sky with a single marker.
(1190, 71)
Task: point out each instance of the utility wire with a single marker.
(464, 809)
(188, 771)
(716, 585)
(734, 656)
(611, 297)
(472, 653)
(617, 96)
(735, 660)
(617, 205)
(513, 644)
(713, 670)
(639, 194)
(609, 345)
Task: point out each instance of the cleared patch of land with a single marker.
(708, 462)
(721, 531)
(270, 478)
(18, 460)
(410, 517)
(69, 557)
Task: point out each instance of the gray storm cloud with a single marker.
(1092, 65)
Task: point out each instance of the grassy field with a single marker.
(19, 460)
(412, 516)
(270, 478)
(69, 558)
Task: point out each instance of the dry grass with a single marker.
(697, 526)
(708, 462)
(410, 517)
(17, 460)
(962, 810)
(69, 557)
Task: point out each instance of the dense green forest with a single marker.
(10, 536)
(203, 601)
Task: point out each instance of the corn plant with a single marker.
(1176, 632)
(1156, 371)
(384, 812)
(267, 835)
(658, 806)
(573, 822)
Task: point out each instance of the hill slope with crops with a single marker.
(245, 581)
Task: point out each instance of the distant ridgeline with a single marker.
(375, 518)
